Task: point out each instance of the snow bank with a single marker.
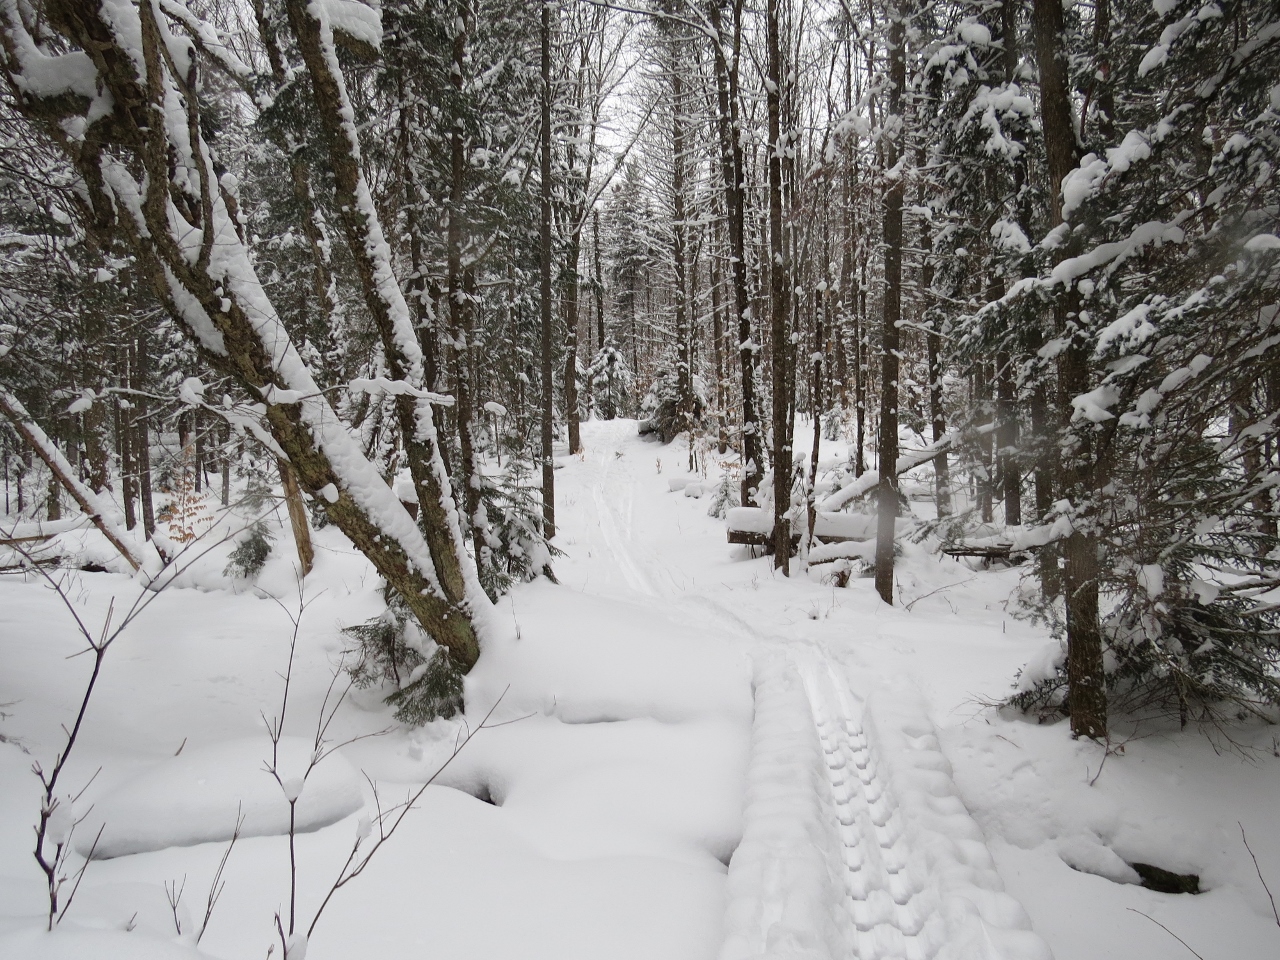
(585, 660)
(197, 796)
(64, 944)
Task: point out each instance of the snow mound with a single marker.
(197, 796)
(586, 660)
(1089, 856)
(65, 944)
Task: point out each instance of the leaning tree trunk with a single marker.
(385, 302)
(182, 232)
(96, 508)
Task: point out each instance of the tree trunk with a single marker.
(1010, 468)
(571, 414)
(860, 375)
(124, 450)
(297, 518)
(731, 171)
(887, 501)
(459, 283)
(679, 249)
(140, 441)
(1086, 681)
(385, 302)
(815, 396)
(779, 300)
(717, 345)
(598, 285)
(986, 445)
(548, 407)
(933, 347)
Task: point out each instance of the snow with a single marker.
(1130, 330)
(974, 33)
(1262, 243)
(197, 797)
(359, 21)
(1151, 579)
(698, 758)
(1095, 405)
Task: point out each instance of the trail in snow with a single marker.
(891, 908)
(832, 863)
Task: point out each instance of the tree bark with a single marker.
(548, 406)
(887, 501)
(779, 299)
(1086, 680)
(297, 517)
(731, 171)
(140, 441)
(679, 247)
(392, 319)
(459, 282)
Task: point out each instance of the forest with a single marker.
(300, 293)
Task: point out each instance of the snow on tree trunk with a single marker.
(126, 115)
(386, 303)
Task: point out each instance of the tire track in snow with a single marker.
(857, 845)
(890, 905)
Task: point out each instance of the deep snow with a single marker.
(705, 759)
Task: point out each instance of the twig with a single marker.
(1261, 879)
(1166, 930)
(173, 893)
(97, 643)
(215, 888)
(356, 863)
(939, 590)
(80, 873)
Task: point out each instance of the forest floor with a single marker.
(697, 758)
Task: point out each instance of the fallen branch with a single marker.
(64, 473)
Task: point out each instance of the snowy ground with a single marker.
(706, 760)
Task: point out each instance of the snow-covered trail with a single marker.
(833, 863)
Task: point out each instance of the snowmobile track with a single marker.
(893, 911)
(856, 843)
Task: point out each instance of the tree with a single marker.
(188, 246)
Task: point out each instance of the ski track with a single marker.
(855, 845)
